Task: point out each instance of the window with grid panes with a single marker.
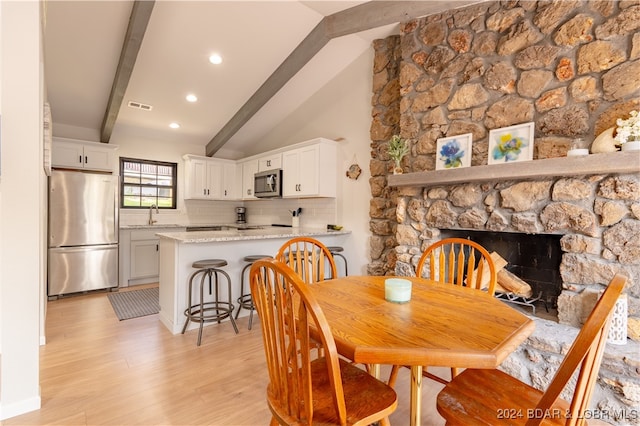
(144, 183)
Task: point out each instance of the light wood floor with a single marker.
(96, 370)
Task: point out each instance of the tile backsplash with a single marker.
(316, 212)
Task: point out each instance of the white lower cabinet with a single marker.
(144, 259)
(139, 255)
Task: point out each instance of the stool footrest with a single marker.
(246, 301)
(204, 313)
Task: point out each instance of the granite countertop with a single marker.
(156, 225)
(248, 234)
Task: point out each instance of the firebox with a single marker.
(535, 258)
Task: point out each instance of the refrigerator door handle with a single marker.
(79, 249)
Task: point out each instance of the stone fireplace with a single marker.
(572, 67)
(595, 218)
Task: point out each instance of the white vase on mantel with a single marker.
(631, 146)
(604, 142)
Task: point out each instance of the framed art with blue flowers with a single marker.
(453, 152)
(511, 144)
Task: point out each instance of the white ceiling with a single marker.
(83, 40)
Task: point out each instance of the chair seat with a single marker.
(365, 396)
(335, 249)
(209, 263)
(504, 399)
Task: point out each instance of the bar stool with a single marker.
(215, 310)
(337, 251)
(245, 301)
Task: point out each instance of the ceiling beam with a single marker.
(372, 14)
(138, 21)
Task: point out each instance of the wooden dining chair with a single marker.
(302, 391)
(477, 396)
(455, 261)
(309, 258)
(458, 261)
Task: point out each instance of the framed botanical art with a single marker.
(511, 144)
(453, 152)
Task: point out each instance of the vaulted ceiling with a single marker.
(102, 55)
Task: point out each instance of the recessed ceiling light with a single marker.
(174, 125)
(191, 97)
(215, 59)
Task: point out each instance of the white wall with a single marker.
(21, 188)
(341, 109)
(137, 144)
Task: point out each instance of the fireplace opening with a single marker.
(534, 258)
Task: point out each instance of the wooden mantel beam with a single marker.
(606, 163)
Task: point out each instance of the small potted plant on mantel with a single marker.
(398, 148)
(628, 132)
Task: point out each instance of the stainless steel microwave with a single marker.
(268, 184)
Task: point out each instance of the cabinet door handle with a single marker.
(85, 160)
(80, 159)
(204, 192)
(157, 247)
(225, 192)
(269, 163)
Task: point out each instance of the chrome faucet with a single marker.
(151, 207)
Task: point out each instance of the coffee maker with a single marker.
(241, 215)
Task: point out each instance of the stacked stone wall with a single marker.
(385, 123)
(572, 67)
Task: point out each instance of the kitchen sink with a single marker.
(245, 227)
(206, 228)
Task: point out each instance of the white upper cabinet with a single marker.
(249, 169)
(71, 153)
(310, 170)
(230, 185)
(270, 162)
(210, 179)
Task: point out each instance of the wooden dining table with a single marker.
(442, 325)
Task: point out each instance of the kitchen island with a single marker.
(178, 251)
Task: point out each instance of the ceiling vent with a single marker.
(139, 105)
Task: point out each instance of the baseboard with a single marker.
(21, 407)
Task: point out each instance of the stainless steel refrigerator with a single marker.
(83, 232)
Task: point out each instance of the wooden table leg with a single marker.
(374, 370)
(416, 395)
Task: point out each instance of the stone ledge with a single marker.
(537, 359)
(605, 163)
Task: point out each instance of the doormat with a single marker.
(136, 303)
